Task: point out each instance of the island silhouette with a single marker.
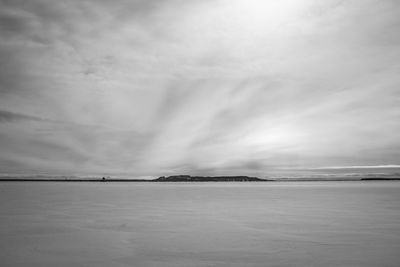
(188, 178)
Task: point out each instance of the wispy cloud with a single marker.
(357, 167)
(6, 116)
(154, 87)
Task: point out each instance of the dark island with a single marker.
(188, 178)
(381, 179)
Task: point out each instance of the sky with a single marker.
(206, 87)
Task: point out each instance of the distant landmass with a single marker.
(381, 179)
(188, 178)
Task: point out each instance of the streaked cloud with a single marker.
(203, 87)
(6, 116)
(358, 167)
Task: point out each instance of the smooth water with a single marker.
(200, 224)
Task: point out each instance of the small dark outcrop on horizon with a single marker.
(188, 178)
(380, 179)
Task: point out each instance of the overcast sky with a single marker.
(156, 87)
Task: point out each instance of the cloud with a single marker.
(155, 87)
(357, 167)
(6, 116)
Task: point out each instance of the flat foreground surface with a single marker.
(200, 224)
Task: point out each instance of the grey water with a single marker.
(200, 224)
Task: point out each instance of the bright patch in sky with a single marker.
(256, 15)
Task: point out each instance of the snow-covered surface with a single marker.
(200, 224)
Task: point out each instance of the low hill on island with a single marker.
(188, 178)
